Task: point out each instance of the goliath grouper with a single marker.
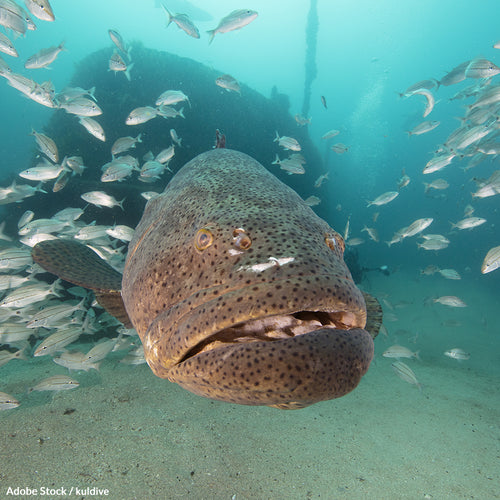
(237, 289)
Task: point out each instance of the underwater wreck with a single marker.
(248, 119)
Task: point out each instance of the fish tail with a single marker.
(212, 34)
(181, 113)
(170, 17)
(277, 138)
(20, 354)
(56, 288)
(127, 72)
(120, 204)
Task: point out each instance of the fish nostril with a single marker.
(203, 239)
(241, 239)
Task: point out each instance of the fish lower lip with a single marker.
(272, 328)
(287, 373)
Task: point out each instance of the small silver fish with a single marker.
(15, 258)
(175, 137)
(58, 341)
(149, 195)
(423, 128)
(430, 100)
(383, 199)
(121, 232)
(287, 142)
(404, 372)
(416, 227)
(117, 39)
(451, 301)
(312, 201)
(456, 75)
(320, 180)
(116, 171)
(7, 47)
(433, 244)
(481, 68)
(397, 351)
(436, 184)
(468, 223)
(46, 145)
(165, 155)
(93, 127)
(233, 21)
(438, 163)
(75, 360)
(339, 148)
(491, 261)
(44, 57)
(151, 169)
(12, 16)
(330, 134)
(124, 144)
(7, 402)
(117, 64)
(458, 354)
(170, 112)
(450, 274)
(404, 180)
(56, 383)
(101, 199)
(44, 171)
(170, 97)
(141, 115)
(6, 356)
(372, 233)
(228, 82)
(40, 9)
(353, 242)
(82, 106)
(183, 22)
(29, 294)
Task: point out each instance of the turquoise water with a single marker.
(141, 437)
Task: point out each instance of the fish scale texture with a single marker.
(178, 296)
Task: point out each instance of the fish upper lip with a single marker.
(182, 331)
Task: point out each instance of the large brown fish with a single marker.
(237, 289)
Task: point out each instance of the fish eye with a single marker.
(241, 239)
(203, 239)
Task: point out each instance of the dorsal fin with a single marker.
(80, 265)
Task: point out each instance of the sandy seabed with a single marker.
(141, 437)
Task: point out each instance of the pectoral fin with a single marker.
(80, 265)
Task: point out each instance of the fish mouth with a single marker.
(314, 349)
(272, 328)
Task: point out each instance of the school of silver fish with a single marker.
(58, 319)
